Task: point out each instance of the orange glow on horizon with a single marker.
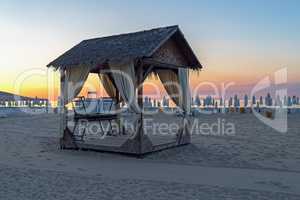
(37, 85)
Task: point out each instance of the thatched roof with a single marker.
(124, 47)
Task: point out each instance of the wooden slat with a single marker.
(158, 64)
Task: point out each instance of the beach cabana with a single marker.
(123, 62)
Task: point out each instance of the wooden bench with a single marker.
(92, 117)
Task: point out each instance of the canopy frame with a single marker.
(139, 145)
(147, 51)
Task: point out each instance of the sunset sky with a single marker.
(239, 41)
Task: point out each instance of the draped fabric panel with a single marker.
(177, 86)
(183, 75)
(125, 79)
(171, 84)
(74, 81)
(108, 85)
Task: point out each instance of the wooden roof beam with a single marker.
(158, 64)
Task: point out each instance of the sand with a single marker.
(255, 163)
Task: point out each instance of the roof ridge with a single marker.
(132, 33)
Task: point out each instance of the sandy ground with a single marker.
(255, 163)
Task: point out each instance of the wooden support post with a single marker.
(61, 103)
(118, 109)
(140, 79)
(62, 108)
(140, 91)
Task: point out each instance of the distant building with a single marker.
(197, 101)
(246, 100)
(165, 102)
(236, 101)
(268, 100)
(294, 100)
(253, 100)
(261, 101)
(290, 102)
(230, 102)
(216, 104)
(208, 101)
(147, 102)
(221, 101)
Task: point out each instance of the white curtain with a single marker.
(74, 81)
(183, 75)
(177, 87)
(125, 79)
(170, 81)
(108, 85)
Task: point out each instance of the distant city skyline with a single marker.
(9, 100)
